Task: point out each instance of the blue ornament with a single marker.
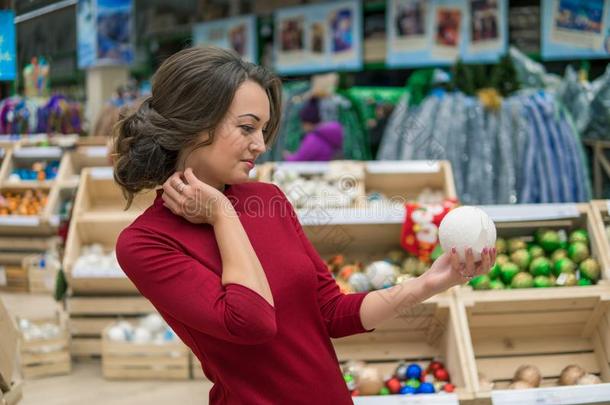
(426, 388)
(407, 390)
(413, 371)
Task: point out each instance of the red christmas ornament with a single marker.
(434, 365)
(355, 393)
(449, 387)
(393, 385)
(419, 234)
(441, 374)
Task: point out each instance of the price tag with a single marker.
(403, 166)
(429, 399)
(304, 167)
(3, 281)
(575, 394)
(46, 152)
(530, 212)
(96, 151)
(101, 173)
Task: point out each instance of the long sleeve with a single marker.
(191, 293)
(341, 312)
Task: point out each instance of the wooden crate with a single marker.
(524, 220)
(27, 155)
(14, 249)
(41, 280)
(404, 180)
(98, 217)
(425, 332)
(196, 370)
(146, 361)
(80, 158)
(550, 329)
(89, 315)
(13, 396)
(601, 217)
(46, 357)
(13, 277)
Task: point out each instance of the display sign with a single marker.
(324, 37)
(238, 34)
(575, 29)
(104, 32)
(422, 32)
(8, 53)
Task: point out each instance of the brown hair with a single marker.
(191, 92)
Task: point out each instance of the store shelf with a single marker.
(579, 394)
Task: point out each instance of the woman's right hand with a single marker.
(194, 200)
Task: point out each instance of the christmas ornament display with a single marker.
(148, 329)
(549, 258)
(408, 379)
(467, 227)
(529, 376)
(39, 171)
(28, 202)
(95, 262)
(38, 331)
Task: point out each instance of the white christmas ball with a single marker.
(152, 322)
(359, 282)
(116, 333)
(467, 227)
(381, 274)
(141, 335)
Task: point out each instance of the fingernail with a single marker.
(484, 251)
(494, 250)
(453, 250)
(469, 250)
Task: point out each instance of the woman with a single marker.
(224, 260)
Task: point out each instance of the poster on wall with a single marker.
(318, 38)
(575, 28)
(438, 32)
(104, 32)
(237, 33)
(8, 53)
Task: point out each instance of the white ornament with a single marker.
(467, 227)
(117, 334)
(359, 282)
(152, 322)
(381, 274)
(141, 335)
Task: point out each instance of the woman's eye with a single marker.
(247, 129)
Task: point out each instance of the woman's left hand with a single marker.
(447, 270)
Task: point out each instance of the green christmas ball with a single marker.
(578, 252)
(542, 282)
(480, 282)
(413, 382)
(384, 391)
(559, 254)
(536, 251)
(502, 259)
(521, 258)
(501, 246)
(494, 272)
(508, 271)
(579, 235)
(549, 241)
(584, 282)
(522, 280)
(589, 269)
(566, 280)
(564, 265)
(515, 244)
(496, 285)
(540, 266)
